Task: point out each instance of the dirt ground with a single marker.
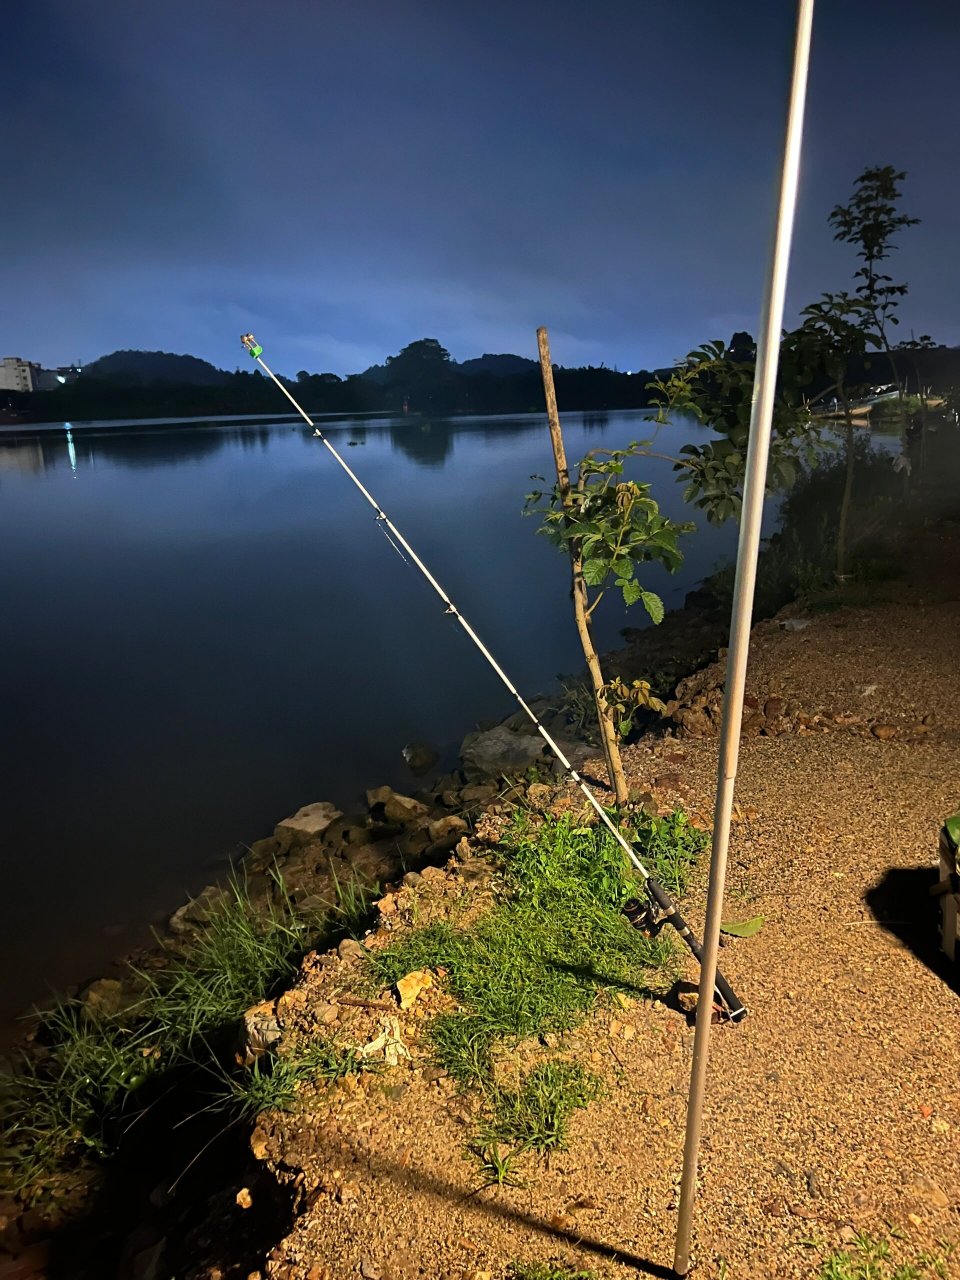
(833, 1108)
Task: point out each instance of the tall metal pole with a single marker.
(761, 417)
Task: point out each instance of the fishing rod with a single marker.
(639, 914)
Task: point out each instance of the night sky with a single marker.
(344, 178)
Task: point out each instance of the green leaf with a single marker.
(623, 567)
(743, 928)
(594, 572)
(653, 605)
(632, 591)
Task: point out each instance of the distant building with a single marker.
(18, 375)
(24, 375)
(50, 379)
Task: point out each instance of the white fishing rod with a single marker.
(634, 911)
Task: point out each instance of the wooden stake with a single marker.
(608, 733)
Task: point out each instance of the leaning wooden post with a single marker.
(608, 737)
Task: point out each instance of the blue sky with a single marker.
(344, 179)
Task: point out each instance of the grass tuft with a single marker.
(546, 1271)
(538, 960)
(670, 847)
(496, 1167)
(352, 908)
(242, 954)
(536, 964)
(869, 1259)
(66, 1100)
(272, 1082)
(536, 1116)
(70, 1098)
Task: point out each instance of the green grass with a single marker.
(273, 1081)
(670, 847)
(67, 1100)
(70, 1097)
(535, 1116)
(351, 909)
(242, 954)
(497, 1167)
(545, 1271)
(869, 1259)
(553, 944)
(537, 961)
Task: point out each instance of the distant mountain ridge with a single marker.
(150, 368)
(131, 368)
(497, 366)
(147, 368)
(421, 381)
(500, 366)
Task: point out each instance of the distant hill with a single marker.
(148, 368)
(500, 366)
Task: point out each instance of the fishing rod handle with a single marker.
(736, 1010)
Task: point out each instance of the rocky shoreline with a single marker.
(426, 851)
(346, 1167)
(321, 850)
(433, 842)
(320, 847)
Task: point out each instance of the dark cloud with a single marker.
(345, 178)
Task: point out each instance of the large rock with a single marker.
(193, 914)
(306, 825)
(346, 830)
(443, 828)
(500, 751)
(262, 854)
(404, 809)
(378, 796)
(106, 998)
(261, 1031)
(479, 793)
(420, 758)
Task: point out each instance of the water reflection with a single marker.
(22, 456)
(77, 447)
(71, 453)
(169, 448)
(428, 443)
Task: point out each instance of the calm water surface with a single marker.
(204, 628)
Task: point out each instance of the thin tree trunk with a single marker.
(608, 733)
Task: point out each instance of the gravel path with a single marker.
(834, 1108)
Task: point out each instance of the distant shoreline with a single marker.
(27, 428)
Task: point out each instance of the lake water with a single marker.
(204, 628)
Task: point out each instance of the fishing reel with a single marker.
(647, 916)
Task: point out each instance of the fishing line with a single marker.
(638, 914)
(392, 543)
